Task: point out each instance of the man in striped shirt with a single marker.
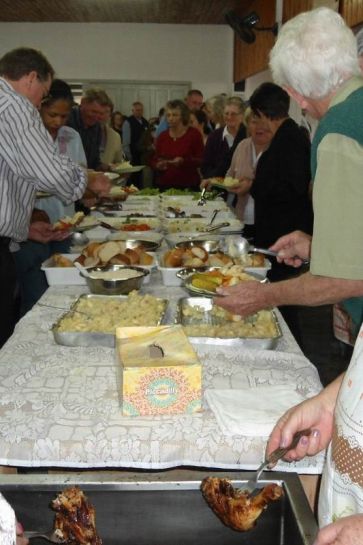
(29, 162)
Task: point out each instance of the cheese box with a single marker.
(159, 371)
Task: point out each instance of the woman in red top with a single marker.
(178, 150)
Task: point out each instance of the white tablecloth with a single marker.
(59, 406)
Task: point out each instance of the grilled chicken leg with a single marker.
(236, 508)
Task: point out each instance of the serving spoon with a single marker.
(82, 269)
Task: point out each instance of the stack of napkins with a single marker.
(251, 411)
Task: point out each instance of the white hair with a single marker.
(314, 54)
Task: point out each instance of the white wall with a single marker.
(199, 54)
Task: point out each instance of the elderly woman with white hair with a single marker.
(222, 142)
(315, 60)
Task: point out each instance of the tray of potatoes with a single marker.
(92, 320)
(206, 323)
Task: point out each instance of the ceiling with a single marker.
(121, 11)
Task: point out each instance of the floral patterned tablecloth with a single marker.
(59, 406)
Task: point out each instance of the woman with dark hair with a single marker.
(199, 120)
(178, 150)
(281, 184)
(116, 123)
(54, 111)
(280, 188)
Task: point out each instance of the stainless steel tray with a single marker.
(186, 275)
(206, 303)
(81, 338)
(154, 510)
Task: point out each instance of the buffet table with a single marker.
(59, 406)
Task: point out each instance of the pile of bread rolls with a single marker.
(103, 253)
(196, 256)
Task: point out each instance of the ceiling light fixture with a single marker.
(244, 27)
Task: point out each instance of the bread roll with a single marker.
(226, 260)
(60, 261)
(108, 251)
(200, 252)
(120, 259)
(193, 262)
(215, 261)
(122, 246)
(132, 255)
(80, 259)
(145, 258)
(174, 258)
(258, 260)
(91, 250)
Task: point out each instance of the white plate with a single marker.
(112, 175)
(153, 223)
(129, 170)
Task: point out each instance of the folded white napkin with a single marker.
(251, 411)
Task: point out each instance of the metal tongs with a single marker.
(202, 199)
(54, 536)
(217, 226)
(253, 486)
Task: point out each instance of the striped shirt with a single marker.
(29, 162)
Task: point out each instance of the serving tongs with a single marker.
(217, 226)
(202, 199)
(108, 226)
(54, 536)
(253, 486)
(246, 248)
(64, 309)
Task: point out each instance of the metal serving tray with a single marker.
(81, 338)
(206, 303)
(149, 511)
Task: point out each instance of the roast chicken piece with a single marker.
(75, 517)
(236, 508)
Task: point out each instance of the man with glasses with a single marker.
(29, 162)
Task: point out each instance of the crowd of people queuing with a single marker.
(51, 144)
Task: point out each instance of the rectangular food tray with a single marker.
(82, 338)
(206, 303)
(155, 510)
(62, 276)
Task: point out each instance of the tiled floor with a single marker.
(319, 344)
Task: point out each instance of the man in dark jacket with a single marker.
(86, 120)
(133, 129)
